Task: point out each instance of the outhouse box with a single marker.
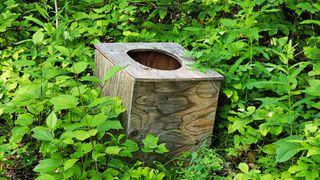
(162, 95)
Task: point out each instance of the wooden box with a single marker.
(160, 92)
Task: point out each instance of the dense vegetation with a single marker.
(54, 124)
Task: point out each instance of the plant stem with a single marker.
(56, 11)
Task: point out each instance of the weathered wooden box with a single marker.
(162, 95)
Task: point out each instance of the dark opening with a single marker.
(155, 59)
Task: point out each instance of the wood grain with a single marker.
(120, 85)
(117, 54)
(179, 105)
(183, 112)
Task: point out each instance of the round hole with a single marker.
(155, 59)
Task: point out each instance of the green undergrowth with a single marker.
(54, 124)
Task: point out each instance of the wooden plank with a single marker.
(120, 85)
(183, 112)
(117, 54)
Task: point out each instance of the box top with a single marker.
(154, 61)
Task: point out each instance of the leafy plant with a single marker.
(55, 124)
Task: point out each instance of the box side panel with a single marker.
(182, 112)
(120, 85)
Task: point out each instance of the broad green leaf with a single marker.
(18, 133)
(150, 141)
(64, 102)
(116, 163)
(37, 37)
(96, 155)
(287, 148)
(264, 129)
(24, 119)
(269, 149)
(80, 90)
(47, 165)
(28, 91)
(296, 168)
(78, 67)
(83, 135)
(267, 177)
(81, 15)
(97, 120)
(228, 22)
(129, 33)
(163, 13)
(45, 177)
(68, 141)
(23, 63)
(63, 50)
(109, 124)
(315, 70)
(131, 145)
(228, 92)
(162, 149)
(314, 87)
(42, 133)
(114, 150)
(313, 151)
(69, 163)
(244, 167)
(52, 120)
(312, 53)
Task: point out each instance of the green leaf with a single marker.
(97, 120)
(69, 163)
(47, 165)
(64, 102)
(269, 149)
(244, 167)
(83, 135)
(45, 177)
(37, 37)
(309, 21)
(313, 151)
(41, 11)
(129, 33)
(42, 133)
(150, 141)
(314, 88)
(287, 148)
(264, 129)
(63, 50)
(51, 120)
(35, 20)
(24, 119)
(312, 53)
(228, 92)
(90, 79)
(109, 124)
(163, 13)
(162, 149)
(18, 133)
(97, 154)
(131, 145)
(110, 73)
(113, 150)
(78, 67)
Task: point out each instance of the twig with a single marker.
(56, 10)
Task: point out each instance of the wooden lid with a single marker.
(154, 61)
